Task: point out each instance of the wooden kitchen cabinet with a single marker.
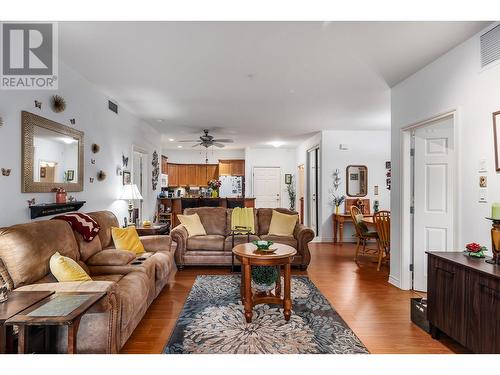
(232, 167)
(173, 175)
(206, 172)
(164, 164)
(183, 175)
(192, 174)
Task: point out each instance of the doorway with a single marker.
(430, 193)
(266, 187)
(313, 188)
(301, 190)
(139, 173)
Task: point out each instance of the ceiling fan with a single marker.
(207, 141)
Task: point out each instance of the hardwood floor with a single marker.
(376, 311)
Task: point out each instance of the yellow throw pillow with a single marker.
(127, 239)
(66, 269)
(193, 225)
(282, 224)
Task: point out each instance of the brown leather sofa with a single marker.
(215, 248)
(25, 251)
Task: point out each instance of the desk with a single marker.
(338, 225)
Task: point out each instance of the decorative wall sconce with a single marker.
(58, 103)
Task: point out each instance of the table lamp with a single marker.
(131, 193)
(495, 233)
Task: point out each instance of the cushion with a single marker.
(82, 224)
(111, 257)
(193, 225)
(127, 239)
(282, 224)
(208, 242)
(66, 269)
(361, 224)
(213, 219)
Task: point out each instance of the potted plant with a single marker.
(214, 185)
(264, 278)
(292, 194)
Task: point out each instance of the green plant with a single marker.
(266, 275)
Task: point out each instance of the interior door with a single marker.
(434, 169)
(313, 189)
(139, 178)
(266, 187)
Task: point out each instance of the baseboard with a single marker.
(394, 281)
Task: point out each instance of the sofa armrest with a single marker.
(156, 243)
(303, 235)
(104, 315)
(180, 235)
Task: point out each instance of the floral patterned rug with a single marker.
(212, 322)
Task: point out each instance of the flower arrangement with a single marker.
(292, 194)
(475, 250)
(214, 184)
(335, 199)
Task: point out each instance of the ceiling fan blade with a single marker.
(198, 144)
(220, 145)
(189, 140)
(224, 140)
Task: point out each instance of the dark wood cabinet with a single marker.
(463, 300)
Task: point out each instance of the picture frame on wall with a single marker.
(70, 176)
(288, 179)
(496, 138)
(127, 178)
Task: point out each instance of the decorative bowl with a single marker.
(263, 245)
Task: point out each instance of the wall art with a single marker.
(1, 121)
(101, 176)
(6, 172)
(91, 180)
(127, 178)
(72, 121)
(31, 202)
(38, 104)
(156, 170)
(92, 161)
(58, 103)
(124, 161)
(95, 148)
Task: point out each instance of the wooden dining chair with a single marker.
(363, 235)
(382, 220)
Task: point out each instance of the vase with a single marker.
(215, 194)
(337, 210)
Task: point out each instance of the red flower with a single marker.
(473, 247)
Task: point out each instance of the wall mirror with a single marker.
(52, 155)
(356, 180)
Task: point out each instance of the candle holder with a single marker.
(495, 241)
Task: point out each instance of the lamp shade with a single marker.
(130, 192)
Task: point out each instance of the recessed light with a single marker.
(276, 143)
(171, 139)
(179, 146)
(159, 120)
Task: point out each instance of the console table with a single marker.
(338, 225)
(463, 300)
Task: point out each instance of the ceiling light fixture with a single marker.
(171, 139)
(277, 144)
(179, 146)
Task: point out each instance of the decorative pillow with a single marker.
(282, 224)
(66, 269)
(127, 239)
(193, 225)
(82, 224)
(361, 224)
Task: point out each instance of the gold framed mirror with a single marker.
(52, 155)
(357, 180)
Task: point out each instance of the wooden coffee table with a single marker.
(60, 309)
(17, 302)
(249, 256)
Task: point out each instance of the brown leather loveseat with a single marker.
(215, 248)
(25, 251)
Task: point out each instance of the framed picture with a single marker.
(43, 172)
(496, 137)
(70, 175)
(288, 179)
(387, 165)
(127, 179)
(354, 177)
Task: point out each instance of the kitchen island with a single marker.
(169, 208)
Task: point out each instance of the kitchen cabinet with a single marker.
(232, 167)
(164, 164)
(183, 175)
(173, 175)
(206, 172)
(192, 178)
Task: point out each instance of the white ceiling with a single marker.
(256, 82)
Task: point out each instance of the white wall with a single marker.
(114, 133)
(197, 156)
(453, 82)
(285, 158)
(370, 148)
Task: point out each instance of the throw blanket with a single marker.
(242, 218)
(82, 224)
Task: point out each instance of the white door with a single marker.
(434, 169)
(312, 192)
(266, 187)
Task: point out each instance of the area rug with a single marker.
(212, 322)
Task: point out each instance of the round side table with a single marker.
(249, 256)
